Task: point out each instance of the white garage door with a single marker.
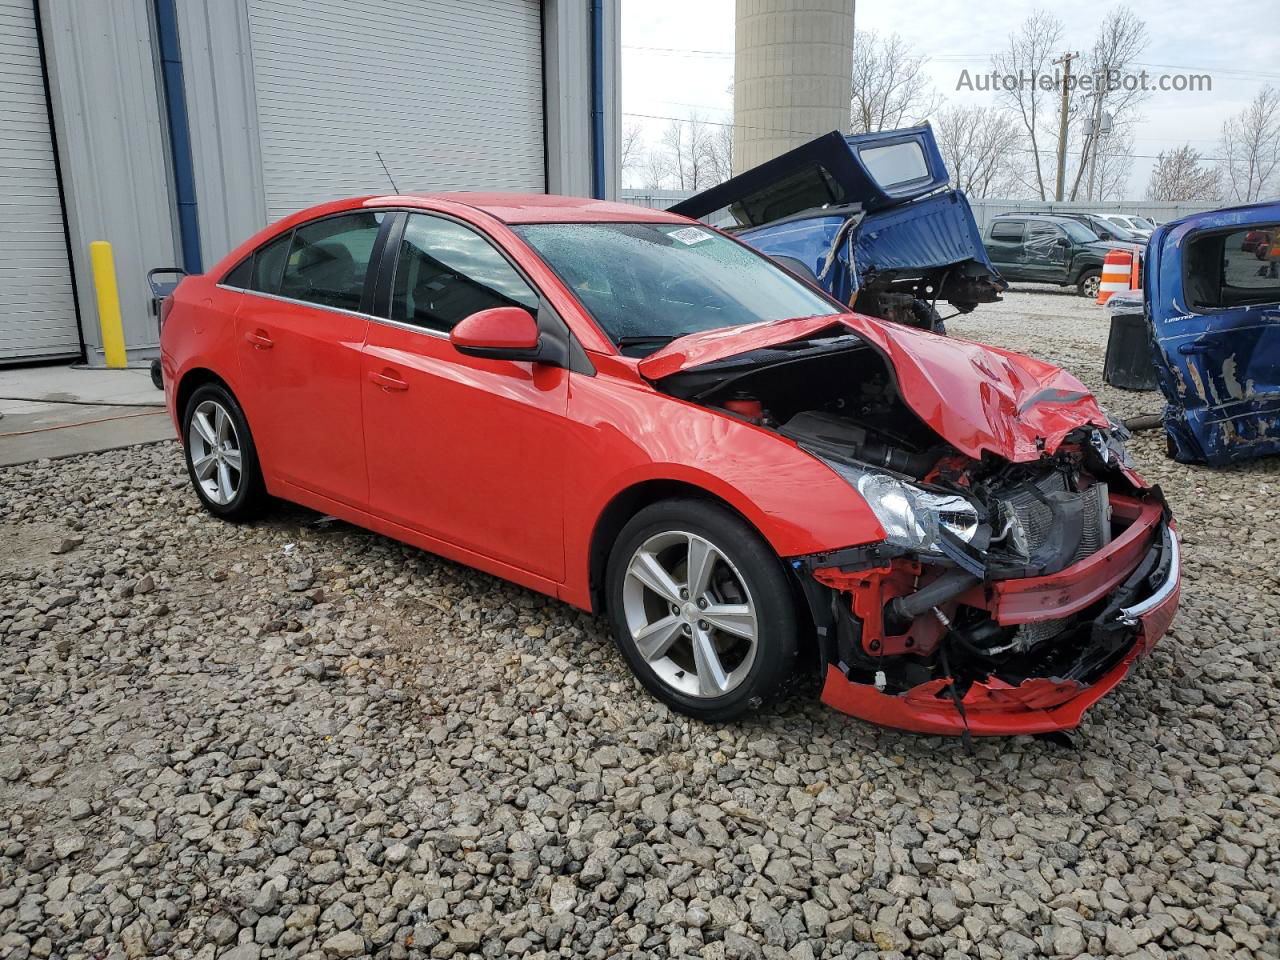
(450, 93)
(37, 308)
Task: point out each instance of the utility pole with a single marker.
(1065, 60)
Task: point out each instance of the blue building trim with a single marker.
(175, 98)
(597, 100)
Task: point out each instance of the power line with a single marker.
(680, 50)
(747, 126)
(1225, 69)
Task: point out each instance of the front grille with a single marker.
(1033, 524)
(1034, 517)
(1097, 521)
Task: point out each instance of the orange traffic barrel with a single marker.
(1117, 271)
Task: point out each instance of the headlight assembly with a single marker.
(911, 517)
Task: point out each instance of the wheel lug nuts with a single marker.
(703, 625)
(702, 603)
(687, 629)
(684, 594)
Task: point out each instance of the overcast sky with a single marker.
(677, 56)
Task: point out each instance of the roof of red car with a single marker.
(548, 208)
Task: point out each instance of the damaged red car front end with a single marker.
(1004, 701)
(1025, 567)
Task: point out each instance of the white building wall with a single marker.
(222, 116)
(109, 115)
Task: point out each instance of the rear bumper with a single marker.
(994, 707)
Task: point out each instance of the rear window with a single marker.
(805, 189)
(1233, 269)
(895, 163)
(1006, 230)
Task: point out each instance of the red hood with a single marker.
(976, 397)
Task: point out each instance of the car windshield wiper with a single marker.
(644, 340)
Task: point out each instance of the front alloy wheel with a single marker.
(690, 614)
(701, 609)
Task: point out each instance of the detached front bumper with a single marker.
(1037, 704)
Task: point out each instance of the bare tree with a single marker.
(1115, 164)
(686, 142)
(1180, 175)
(1251, 148)
(719, 152)
(1121, 39)
(655, 170)
(890, 86)
(1029, 56)
(631, 147)
(983, 149)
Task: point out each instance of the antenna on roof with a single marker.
(378, 153)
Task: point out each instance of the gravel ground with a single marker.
(299, 739)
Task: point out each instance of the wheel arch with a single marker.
(630, 501)
(1086, 268)
(192, 380)
(625, 505)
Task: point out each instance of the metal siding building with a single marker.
(288, 103)
(37, 304)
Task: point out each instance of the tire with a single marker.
(1087, 285)
(927, 317)
(213, 429)
(746, 590)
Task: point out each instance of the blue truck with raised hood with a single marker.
(869, 218)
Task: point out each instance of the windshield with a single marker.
(646, 283)
(1120, 232)
(1077, 231)
(1142, 223)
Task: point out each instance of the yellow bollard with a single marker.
(104, 282)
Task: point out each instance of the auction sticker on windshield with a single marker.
(689, 235)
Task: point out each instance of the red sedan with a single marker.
(641, 416)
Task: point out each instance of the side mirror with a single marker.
(499, 333)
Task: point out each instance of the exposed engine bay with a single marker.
(984, 590)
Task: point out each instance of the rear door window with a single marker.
(1007, 230)
(260, 271)
(329, 260)
(1042, 241)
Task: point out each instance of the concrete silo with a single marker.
(792, 75)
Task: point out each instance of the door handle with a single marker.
(1199, 346)
(260, 340)
(388, 381)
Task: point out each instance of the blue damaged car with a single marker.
(1213, 296)
(869, 218)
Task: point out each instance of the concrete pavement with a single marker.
(60, 411)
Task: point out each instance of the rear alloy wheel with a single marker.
(701, 609)
(1089, 283)
(221, 459)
